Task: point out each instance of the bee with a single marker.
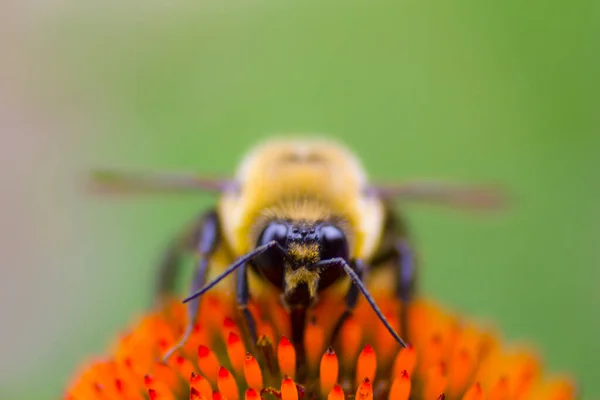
(301, 216)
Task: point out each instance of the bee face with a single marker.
(304, 244)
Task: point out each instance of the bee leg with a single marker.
(242, 290)
(355, 271)
(167, 269)
(243, 297)
(406, 280)
(351, 300)
(298, 327)
(186, 242)
(208, 239)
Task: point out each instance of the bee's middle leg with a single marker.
(243, 297)
(200, 236)
(243, 291)
(208, 239)
(405, 270)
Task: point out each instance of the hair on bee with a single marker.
(302, 216)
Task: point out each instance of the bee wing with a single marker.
(446, 193)
(118, 181)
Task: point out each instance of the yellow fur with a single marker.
(299, 208)
(304, 253)
(301, 179)
(299, 276)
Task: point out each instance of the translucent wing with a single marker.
(118, 181)
(445, 193)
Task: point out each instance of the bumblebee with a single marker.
(301, 216)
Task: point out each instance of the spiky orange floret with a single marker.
(448, 359)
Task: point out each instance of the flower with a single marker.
(449, 358)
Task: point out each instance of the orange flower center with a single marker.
(448, 358)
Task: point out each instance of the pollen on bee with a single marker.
(366, 365)
(236, 352)
(252, 372)
(328, 371)
(251, 394)
(208, 363)
(201, 385)
(401, 387)
(336, 393)
(227, 385)
(286, 355)
(365, 390)
(288, 389)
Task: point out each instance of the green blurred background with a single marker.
(467, 90)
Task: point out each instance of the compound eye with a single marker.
(333, 243)
(274, 231)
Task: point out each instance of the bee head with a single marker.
(304, 244)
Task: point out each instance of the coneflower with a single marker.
(449, 358)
